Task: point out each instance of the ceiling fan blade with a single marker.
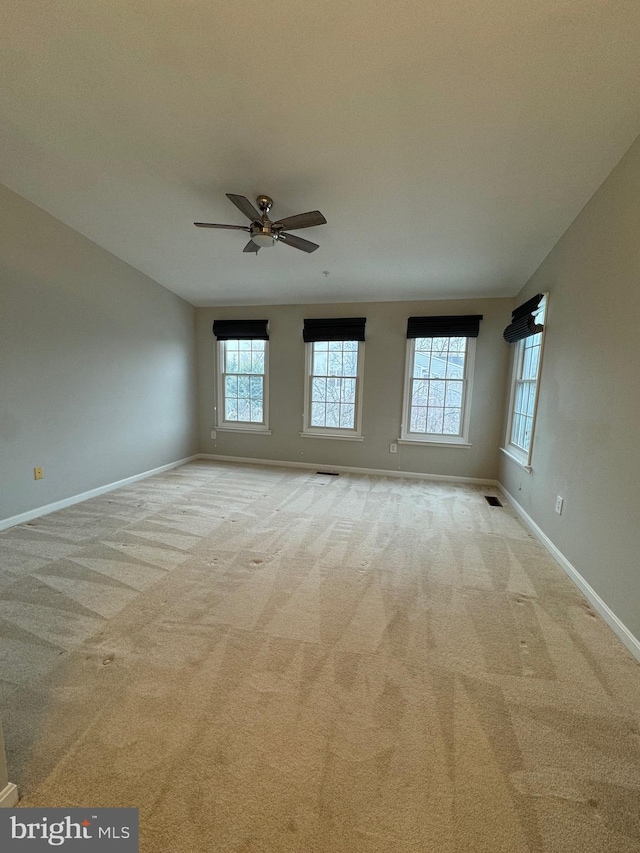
(302, 220)
(298, 242)
(244, 205)
(251, 247)
(229, 227)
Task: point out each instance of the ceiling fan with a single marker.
(263, 231)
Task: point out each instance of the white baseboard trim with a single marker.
(349, 469)
(84, 496)
(9, 796)
(616, 625)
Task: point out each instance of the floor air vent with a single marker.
(329, 473)
(492, 500)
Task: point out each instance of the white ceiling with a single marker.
(449, 144)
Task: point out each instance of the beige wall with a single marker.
(97, 364)
(4, 779)
(587, 445)
(383, 385)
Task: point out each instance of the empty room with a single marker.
(324, 536)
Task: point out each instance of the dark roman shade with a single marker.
(241, 330)
(523, 322)
(462, 326)
(334, 329)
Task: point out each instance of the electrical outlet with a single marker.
(393, 447)
(559, 503)
(213, 433)
(38, 474)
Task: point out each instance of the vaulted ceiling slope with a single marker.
(449, 145)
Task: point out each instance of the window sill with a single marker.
(252, 430)
(515, 459)
(332, 435)
(433, 443)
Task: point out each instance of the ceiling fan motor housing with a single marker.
(263, 235)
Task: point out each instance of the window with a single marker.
(438, 389)
(333, 386)
(527, 361)
(242, 386)
(525, 385)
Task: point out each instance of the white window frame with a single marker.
(240, 426)
(343, 433)
(460, 440)
(518, 454)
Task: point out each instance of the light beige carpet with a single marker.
(269, 660)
